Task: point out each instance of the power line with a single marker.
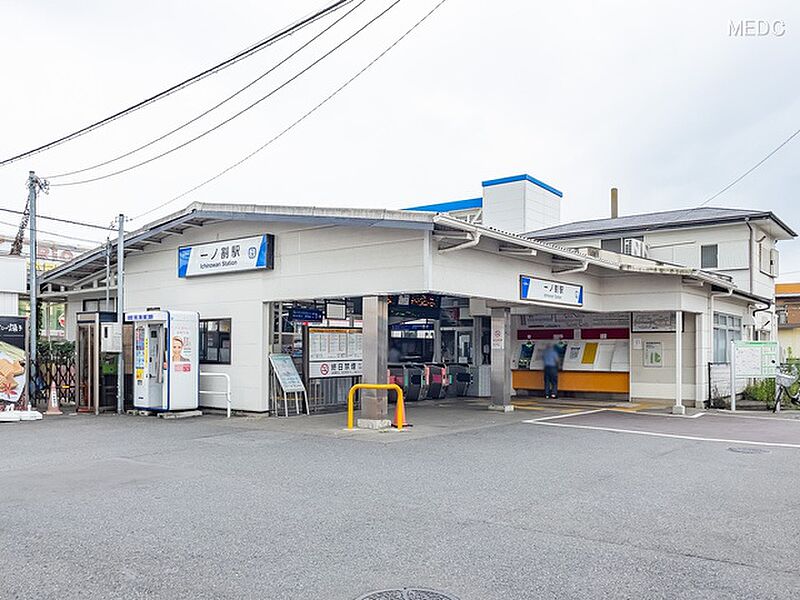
(61, 235)
(681, 214)
(237, 114)
(298, 121)
(280, 34)
(213, 108)
(60, 220)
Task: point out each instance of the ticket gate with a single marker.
(460, 379)
(436, 376)
(98, 344)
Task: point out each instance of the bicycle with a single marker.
(786, 376)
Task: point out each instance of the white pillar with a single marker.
(678, 409)
(501, 360)
(702, 358)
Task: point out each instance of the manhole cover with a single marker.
(407, 594)
(749, 450)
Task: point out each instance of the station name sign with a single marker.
(553, 292)
(228, 256)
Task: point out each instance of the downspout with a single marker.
(752, 246)
(476, 238)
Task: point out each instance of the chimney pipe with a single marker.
(614, 204)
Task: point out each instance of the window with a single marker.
(727, 328)
(709, 256)
(612, 245)
(215, 341)
(100, 304)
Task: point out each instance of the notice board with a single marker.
(334, 352)
(286, 372)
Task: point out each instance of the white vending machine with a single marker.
(165, 359)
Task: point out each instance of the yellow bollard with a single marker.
(399, 412)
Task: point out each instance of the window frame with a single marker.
(716, 256)
(731, 328)
(220, 334)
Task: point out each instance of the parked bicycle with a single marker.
(785, 379)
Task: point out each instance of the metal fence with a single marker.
(719, 385)
(54, 363)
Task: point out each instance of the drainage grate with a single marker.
(746, 450)
(407, 594)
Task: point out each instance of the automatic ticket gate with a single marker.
(165, 360)
(98, 344)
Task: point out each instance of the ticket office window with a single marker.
(215, 341)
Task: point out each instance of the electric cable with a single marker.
(53, 233)
(237, 114)
(58, 219)
(295, 123)
(686, 211)
(280, 34)
(213, 108)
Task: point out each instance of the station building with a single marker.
(639, 305)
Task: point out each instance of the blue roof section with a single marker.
(523, 177)
(450, 206)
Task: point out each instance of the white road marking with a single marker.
(646, 414)
(664, 435)
(575, 414)
(728, 413)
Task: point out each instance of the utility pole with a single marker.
(120, 312)
(34, 183)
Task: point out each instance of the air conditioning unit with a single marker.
(634, 247)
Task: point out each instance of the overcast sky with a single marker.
(656, 98)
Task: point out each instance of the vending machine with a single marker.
(165, 359)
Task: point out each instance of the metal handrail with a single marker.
(400, 411)
(227, 391)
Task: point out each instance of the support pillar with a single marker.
(678, 409)
(374, 405)
(501, 360)
(701, 324)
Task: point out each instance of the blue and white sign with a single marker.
(554, 292)
(229, 256)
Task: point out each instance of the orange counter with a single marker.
(574, 381)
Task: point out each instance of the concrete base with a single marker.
(184, 414)
(678, 410)
(506, 408)
(373, 423)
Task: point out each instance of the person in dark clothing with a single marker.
(550, 359)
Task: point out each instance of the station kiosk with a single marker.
(98, 344)
(165, 360)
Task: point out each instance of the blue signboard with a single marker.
(311, 315)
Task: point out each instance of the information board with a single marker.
(654, 322)
(755, 359)
(334, 352)
(286, 372)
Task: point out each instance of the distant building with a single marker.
(787, 300)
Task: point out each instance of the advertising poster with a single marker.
(653, 354)
(182, 344)
(13, 365)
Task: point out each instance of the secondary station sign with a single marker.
(229, 256)
(554, 292)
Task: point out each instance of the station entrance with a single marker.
(435, 348)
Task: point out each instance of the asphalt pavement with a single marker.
(137, 507)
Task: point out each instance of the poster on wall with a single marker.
(653, 322)
(653, 354)
(334, 352)
(13, 366)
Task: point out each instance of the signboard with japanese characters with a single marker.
(654, 322)
(553, 292)
(286, 372)
(229, 256)
(13, 372)
(334, 352)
